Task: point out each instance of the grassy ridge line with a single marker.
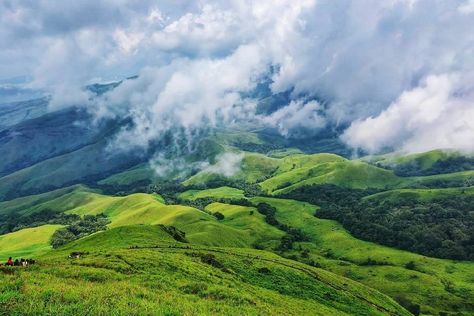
(200, 227)
(346, 174)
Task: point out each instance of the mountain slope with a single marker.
(182, 280)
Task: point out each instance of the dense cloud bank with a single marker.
(399, 73)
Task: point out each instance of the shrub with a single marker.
(410, 265)
(218, 215)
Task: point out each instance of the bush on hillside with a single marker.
(177, 234)
(219, 216)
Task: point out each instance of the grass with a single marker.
(140, 173)
(58, 200)
(217, 193)
(346, 173)
(180, 280)
(424, 160)
(285, 173)
(254, 168)
(27, 242)
(436, 284)
(247, 219)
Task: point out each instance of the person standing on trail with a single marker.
(10, 262)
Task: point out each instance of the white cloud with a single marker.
(228, 164)
(437, 114)
(196, 58)
(467, 7)
(296, 116)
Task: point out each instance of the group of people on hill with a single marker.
(19, 263)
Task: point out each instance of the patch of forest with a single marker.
(441, 227)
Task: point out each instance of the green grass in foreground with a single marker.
(179, 279)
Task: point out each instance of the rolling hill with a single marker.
(171, 278)
(433, 285)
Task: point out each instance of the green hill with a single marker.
(217, 193)
(436, 284)
(26, 242)
(426, 163)
(178, 279)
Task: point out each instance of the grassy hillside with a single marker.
(253, 168)
(140, 208)
(259, 233)
(423, 160)
(217, 193)
(180, 280)
(26, 242)
(436, 284)
(426, 163)
(282, 175)
(88, 163)
(58, 200)
(344, 173)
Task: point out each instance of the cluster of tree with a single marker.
(441, 227)
(250, 189)
(201, 203)
(125, 189)
(177, 234)
(443, 183)
(219, 216)
(83, 227)
(292, 234)
(328, 195)
(169, 190)
(258, 148)
(13, 222)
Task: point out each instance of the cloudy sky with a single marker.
(398, 73)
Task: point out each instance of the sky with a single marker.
(396, 74)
